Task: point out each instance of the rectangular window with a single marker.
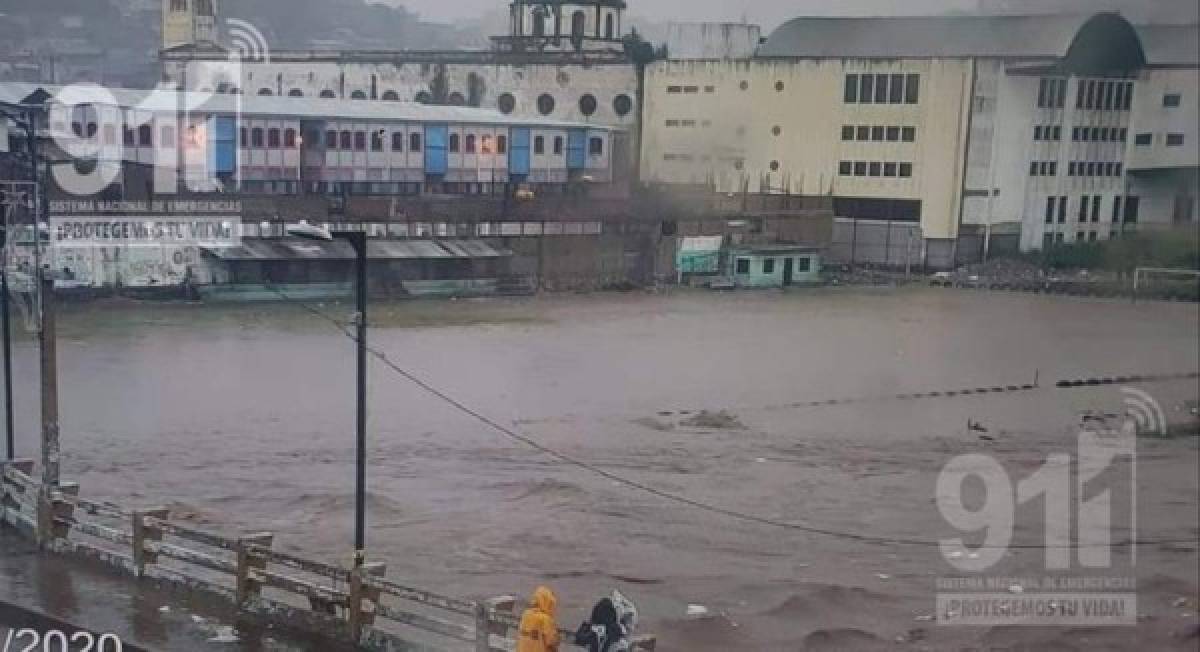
(906, 170)
(1080, 90)
(1047, 240)
(908, 134)
(674, 89)
(896, 89)
(1084, 134)
(166, 138)
(1174, 140)
(1061, 99)
(1044, 168)
(1143, 139)
(1095, 134)
(851, 93)
(398, 141)
(1128, 96)
(1131, 209)
(743, 266)
(1123, 135)
(845, 168)
(1037, 132)
(1096, 208)
(558, 145)
(1109, 89)
(1092, 236)
(881, 89)
(501, 144)
(690, 90)
(1053, 168)
(1050, 210)
(866, 88)
(1117, 170)
(768, 266)
(1091, 169)
(1090, 101)
(1033, 168)
(876, 169)
(360, 141)
(1083, 206)
(860, 168)
(893, 134)
(1043, 93)
(414, 142)
(377, 141)
(1071, 169)
(330, 139)
(1118, 95)
(1057, 132)
(539, 145)
(1171, 100)
(1109, 168)
(877, 133)
(889, 169)
(596, 146)
(863, 133)
(1062, 209)
(273, 137)
(1116, 211)
(804, 264)
(912, 87)
(256, 137)
(847, 132)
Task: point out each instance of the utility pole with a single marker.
(9, 438)
(49, 368)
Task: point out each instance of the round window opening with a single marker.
(779, 86)
(545, 104)
(587, 104)
(776, 130)
(744, 85)
(506, 103)
(774, 166)
(622, 104)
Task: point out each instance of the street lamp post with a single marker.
(358, 241)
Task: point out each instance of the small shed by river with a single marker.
(773, 265)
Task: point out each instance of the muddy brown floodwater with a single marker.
(242, 417)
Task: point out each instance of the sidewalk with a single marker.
(46, 592)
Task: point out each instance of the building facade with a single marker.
(561, 60)
(976, 129)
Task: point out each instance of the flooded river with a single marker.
(242, 417)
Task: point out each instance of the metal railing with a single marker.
(359, 605)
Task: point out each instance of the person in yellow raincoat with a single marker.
(539, 631)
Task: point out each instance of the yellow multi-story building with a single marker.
(957, 130)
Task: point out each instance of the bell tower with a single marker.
(558, 25)
(188, 22)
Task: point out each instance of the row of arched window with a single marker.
(578, 25)
(272, 138)
(140, 136)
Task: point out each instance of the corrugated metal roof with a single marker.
(276, 249)
(164, 100)
(924, 36)
(1170, 44)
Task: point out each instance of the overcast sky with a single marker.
(767, 13)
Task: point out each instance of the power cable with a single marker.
(672, 497)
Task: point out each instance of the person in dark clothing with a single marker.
(610, 627)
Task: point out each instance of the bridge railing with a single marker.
(356, 604)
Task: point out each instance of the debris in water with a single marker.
(720, 420)
(225, 634)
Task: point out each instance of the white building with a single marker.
(561, 60)
(967, 126)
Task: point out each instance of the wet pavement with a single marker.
(242, 417)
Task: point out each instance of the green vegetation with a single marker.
(1175, 249)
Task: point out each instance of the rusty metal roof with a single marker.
(278, 249)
